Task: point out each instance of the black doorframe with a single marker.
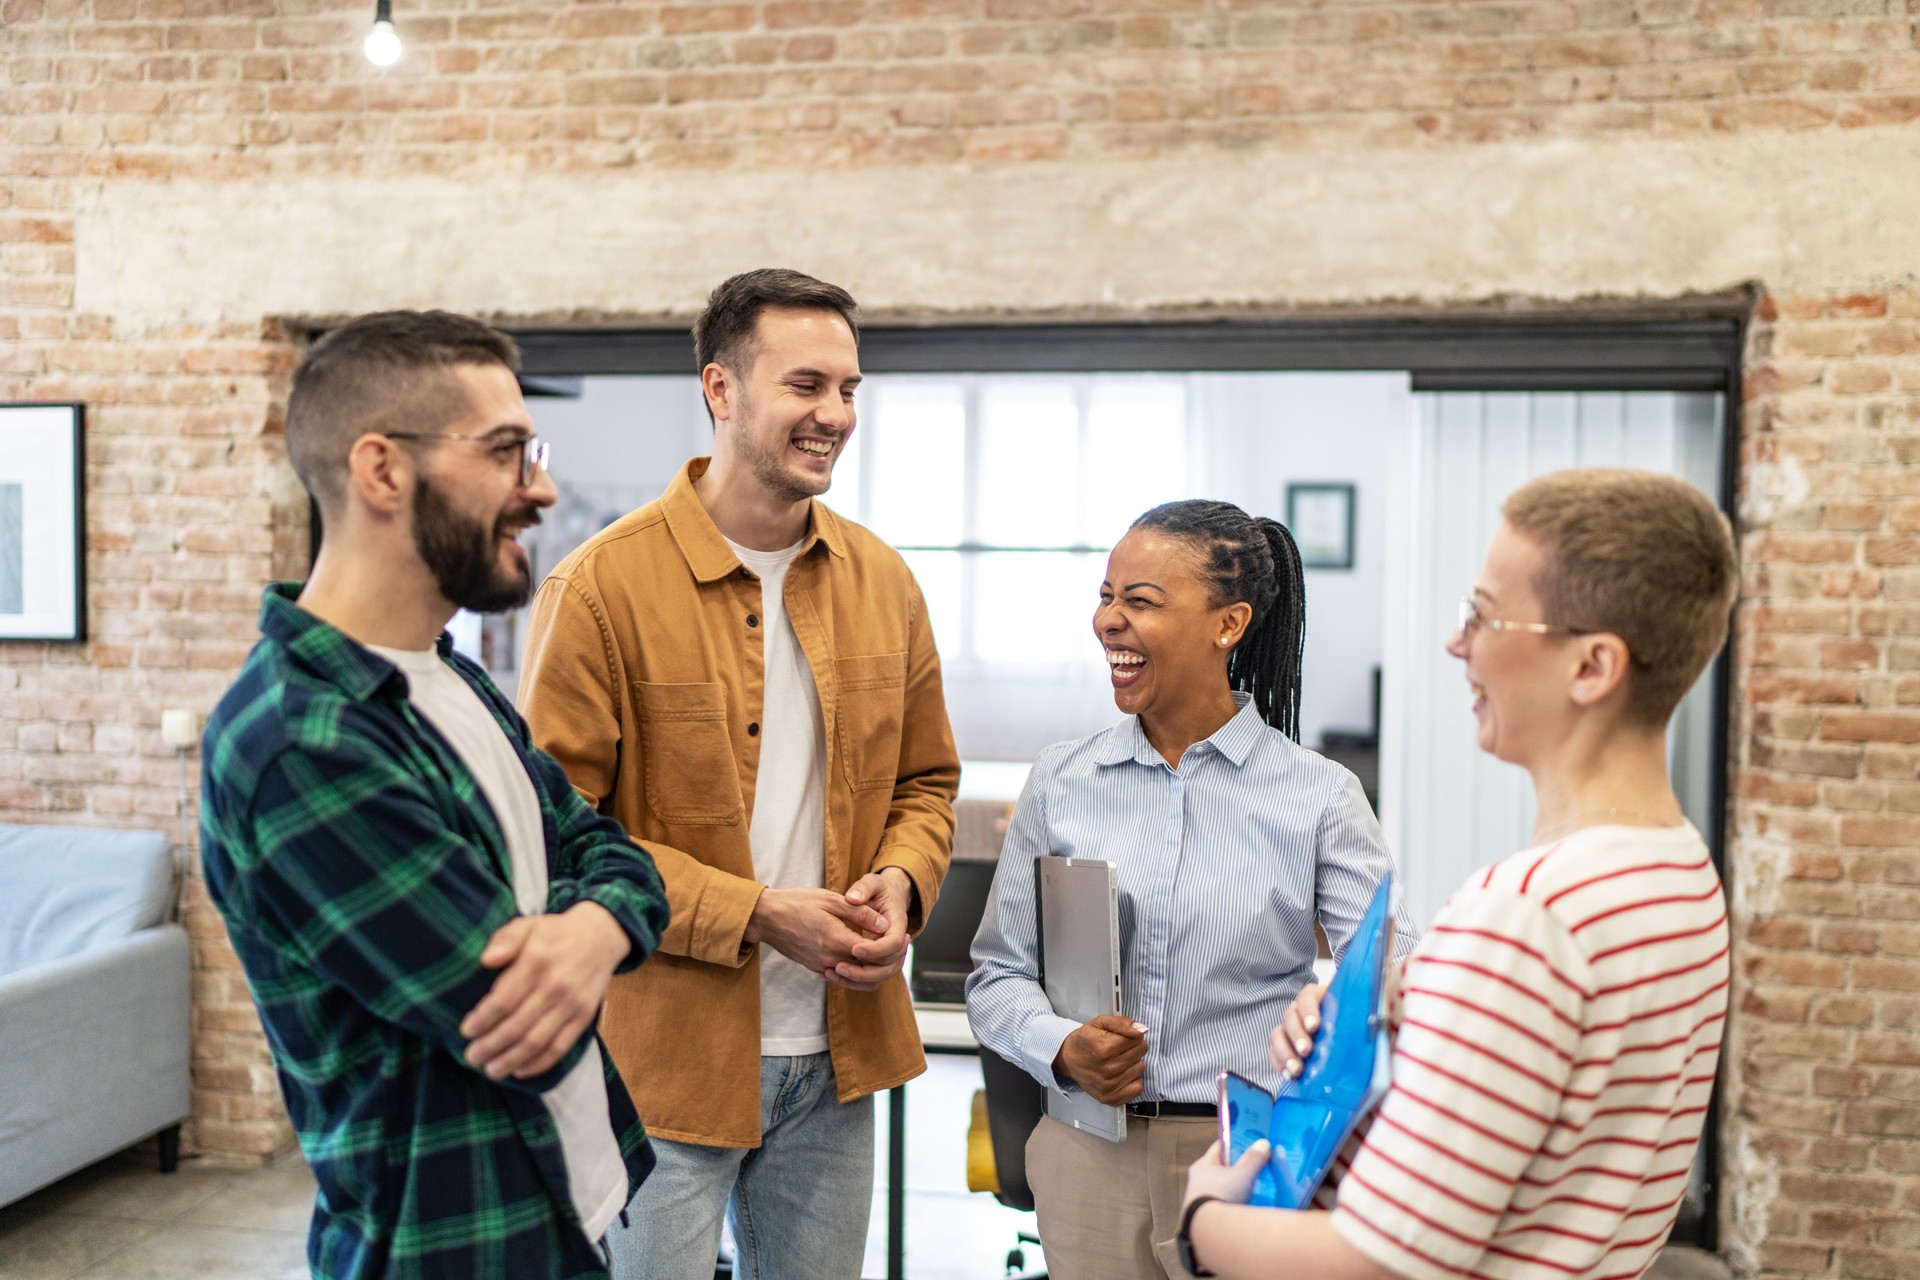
(1698, 352)
(1679, 347)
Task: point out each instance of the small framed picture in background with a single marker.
(43, 560)
(1320, 516)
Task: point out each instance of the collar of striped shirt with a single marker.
(1234, 740)
(1223, 867)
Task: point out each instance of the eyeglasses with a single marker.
(534, 452)
(1471, 618)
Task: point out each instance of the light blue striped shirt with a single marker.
(1222, 865)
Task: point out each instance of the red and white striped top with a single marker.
(1557, 1034)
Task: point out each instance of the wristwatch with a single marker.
(1183, 1242)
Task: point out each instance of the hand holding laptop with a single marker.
(1079, 930)
(1107, 1057)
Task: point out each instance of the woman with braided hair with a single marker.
(1230, 840)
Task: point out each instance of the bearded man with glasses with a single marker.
(427, 912)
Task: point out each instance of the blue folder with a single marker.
(1342, 1079)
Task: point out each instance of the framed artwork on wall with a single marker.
(43, 558)
(1320, 517)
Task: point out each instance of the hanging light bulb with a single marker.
(382, 46)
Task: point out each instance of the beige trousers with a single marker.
(1109, 1211)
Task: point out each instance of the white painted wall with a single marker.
(1263, 431)
(618, 445)
(1568, 218)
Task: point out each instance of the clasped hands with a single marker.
(856, 940)
(555, 968)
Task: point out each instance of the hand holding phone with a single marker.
(1246, 1114)
(1246, 1111)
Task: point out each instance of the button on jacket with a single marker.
(644, 676)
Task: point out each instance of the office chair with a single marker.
(1015, 1102)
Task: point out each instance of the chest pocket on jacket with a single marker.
(871, 692)
(688, 760)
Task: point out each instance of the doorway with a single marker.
(1425, 424)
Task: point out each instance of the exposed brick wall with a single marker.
(1824, 1072)
(235, 87)
(189, 510)
(191, 506)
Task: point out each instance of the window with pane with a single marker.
(1005, 493)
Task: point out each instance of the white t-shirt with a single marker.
(596, 1173)
(788, 830)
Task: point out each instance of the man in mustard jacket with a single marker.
(748, 683)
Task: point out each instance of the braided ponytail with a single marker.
(1267, 661)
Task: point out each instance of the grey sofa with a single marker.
(95, 1005)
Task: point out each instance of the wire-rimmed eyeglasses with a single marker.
(1471, 618)
(534, 452)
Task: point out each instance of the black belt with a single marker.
(1171, 1110)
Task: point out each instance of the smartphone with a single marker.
(1246, 1113)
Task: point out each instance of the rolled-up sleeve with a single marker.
(1006, 1005)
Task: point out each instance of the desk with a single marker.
(943, 1029)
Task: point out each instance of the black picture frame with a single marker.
(43, 522)
(1320, 517)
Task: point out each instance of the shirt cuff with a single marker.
(1040, 1045)
(719, 924)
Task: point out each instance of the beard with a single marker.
(770, 468)
(461, 553)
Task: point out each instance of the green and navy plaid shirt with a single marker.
(360, 872)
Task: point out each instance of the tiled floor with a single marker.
(124, 1220)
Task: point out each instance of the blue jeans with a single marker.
(798, 1203)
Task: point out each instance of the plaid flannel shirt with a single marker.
(360, 872)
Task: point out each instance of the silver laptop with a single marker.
(1080, 967)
